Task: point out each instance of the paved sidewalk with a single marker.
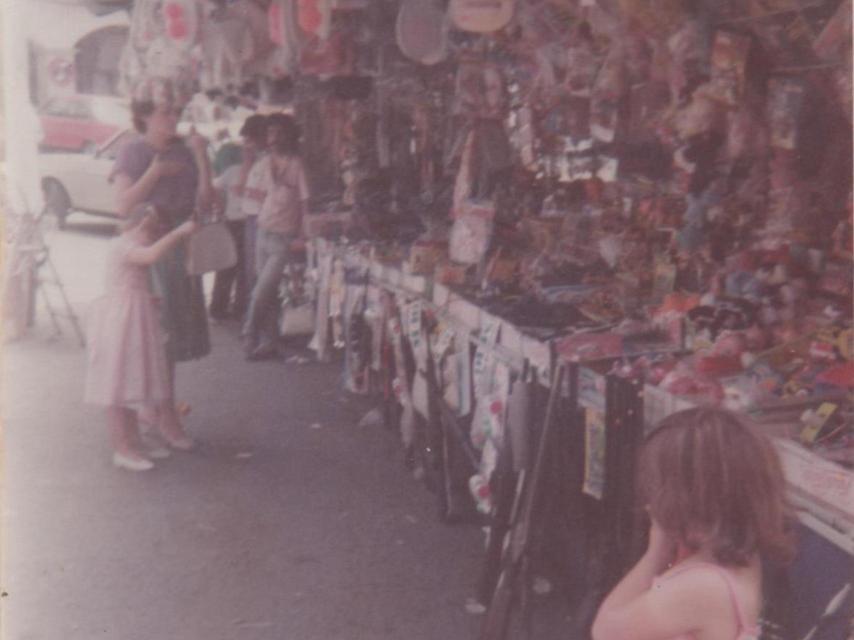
(290, 521)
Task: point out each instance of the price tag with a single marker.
(443, 342)
(464, 378)
(484, 358)
(413, 323)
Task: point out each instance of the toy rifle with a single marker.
(512, 581)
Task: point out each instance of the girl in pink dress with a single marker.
(127, 367)
(714, 491)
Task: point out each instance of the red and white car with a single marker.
(80, 181)
(81, 122)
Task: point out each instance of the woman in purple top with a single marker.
(159, 168)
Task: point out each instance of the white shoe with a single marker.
(184, 443)
(132, 464)
(154, 445)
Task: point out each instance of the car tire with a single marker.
(57, 201)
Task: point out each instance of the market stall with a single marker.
(652, 196)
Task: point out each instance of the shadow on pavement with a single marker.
(104, 229)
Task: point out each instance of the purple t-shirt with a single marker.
(176, 194)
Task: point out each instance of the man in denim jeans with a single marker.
(255, 143)
(283, 180)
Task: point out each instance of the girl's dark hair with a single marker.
(712, 482)
(255, 128)
(286, 133)
(140, 110)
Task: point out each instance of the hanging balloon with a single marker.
(181, 21)
(421, 31)
(479, 16)
(314, 17)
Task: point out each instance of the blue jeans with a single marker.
(250, 233)
(272, 255)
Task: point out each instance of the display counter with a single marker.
(822, 490)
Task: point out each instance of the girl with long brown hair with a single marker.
(715, 495)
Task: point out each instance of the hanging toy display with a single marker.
(481, 17)
(314, 17)
(421, 31)
(181, 20)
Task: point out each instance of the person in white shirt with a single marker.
(281, 176)
(255, 186)
(241, 209)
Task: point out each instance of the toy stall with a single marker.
(538, 227)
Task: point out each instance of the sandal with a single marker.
(181, 443)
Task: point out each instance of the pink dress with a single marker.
(126, 355)
(747, 630)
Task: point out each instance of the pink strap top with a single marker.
(745, 632)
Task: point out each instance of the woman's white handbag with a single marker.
(298, 320)
(211, 248)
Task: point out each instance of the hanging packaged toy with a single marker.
(785, 103)
(472, 231)
(729, 60)
(162, 40)
(284, 34)
(225, 39)
(479, 89)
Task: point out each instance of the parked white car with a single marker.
(80, 181)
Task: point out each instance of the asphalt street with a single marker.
(290, 521)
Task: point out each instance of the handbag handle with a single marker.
(215, 215)
(198, 147)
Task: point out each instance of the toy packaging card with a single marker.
(594, 454)
(729, 60)
(785, 104)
